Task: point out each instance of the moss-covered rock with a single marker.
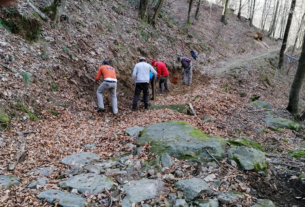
(264, 203)
(247, 142)
(283, 123)
(182, 141)
(262, 104)
(4, 120)
(297, 154)
(175, 107)
(8, 181)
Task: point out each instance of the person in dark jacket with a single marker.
(162, 75)
(187, 68)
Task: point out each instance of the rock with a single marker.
(181, 141)
(181, 203)
(210, 178)
(166, 160)
(193, 187)
(248, 158)
(168, 177)
(90, 146)
(107, 164)
(247, 142)
(93, 169)
(264, 203)
(206, 203)
(179, 173)
(151, 172)
(80, 159)
(133, 131)
(65, 199)
(172, 196)
(45, 171)
(125, 178)
(8, 181)
(262, 104)
(92, 183)
(229, 197)
(139, 150)
(114, 172)
(283, 123)
(40, 182)
(141, 190)
(175, 107)
(207, 119)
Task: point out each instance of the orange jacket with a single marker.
(107, 71)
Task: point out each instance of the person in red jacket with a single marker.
(162, 75)
(109, 83)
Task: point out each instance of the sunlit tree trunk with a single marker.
(293, 105)
(272, 26)
(224, 12)
(283, 48)
(197, 10)
(159, 7)
(189, 12)
(298, 33)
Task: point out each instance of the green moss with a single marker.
(276, 129)
(259, 167)
(175, 107)
(236, 192)
(4, 120)
(11, 176)
(302, 176)
(51, 10)
(242, 141)
(299, 154)
(22, 107)
(109, 179)
(285, 140)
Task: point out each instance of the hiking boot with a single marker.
(100, 110)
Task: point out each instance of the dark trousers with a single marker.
(163, 81)
(140, 87)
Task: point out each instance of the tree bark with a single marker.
(298, 34)
(272, 26)
(224, 12)
(143, 9)
(189, 12)
(239, 10)
(293, 105)
(197, 10)
(252, 14)
(159, 7)
(283, 48)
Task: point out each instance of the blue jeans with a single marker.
(188, 73)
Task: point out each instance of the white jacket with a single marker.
(141, 72)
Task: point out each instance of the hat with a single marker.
(178, 58)
(142, 58)
(153, 62)
(105, 62)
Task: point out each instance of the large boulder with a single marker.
(283, 123)
(247, 142)
(193, 187)
(80, 159)
(248, 158)
(92, 183)
(264, 203)
(181, 141)
(65, 199)
(8, 181)
(142, 190)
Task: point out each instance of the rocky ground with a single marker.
(96, 160)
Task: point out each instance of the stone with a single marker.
(174, 107)
(248, 158)
(125, 178)
(80, 159)
(90, 146)
(210, 178)
(180, 203)
(39, 182)
(65, 199)
(172, 196)
(142, 190)
(93, 169)
(133, 131)
(193, 188)
(139, 150)
(263, 203)
(107, 164)
(92, 183)
(262, 104)
(180, 140)
(283, 123)
(179, 173)
(166, 160)
(8, 181)
(206, 203)
(229, 197)
(247, 142)
(46, 171)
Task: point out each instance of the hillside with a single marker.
(49, 97)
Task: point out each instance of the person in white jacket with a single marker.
(140, 77)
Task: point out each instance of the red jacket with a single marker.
(161, 69)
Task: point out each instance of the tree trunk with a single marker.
(239, 10)
(298, 34)
(281, 60)
(272, 26)
(252, 13)
(293, 104)
(159, 7)
(143, 9)
(224, 12)
(197, 10)
(189, 12)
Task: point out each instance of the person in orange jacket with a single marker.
(162, 75)
(109, 83)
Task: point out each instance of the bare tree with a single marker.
(157, 12)
(293, 104)
(197, 10)
(224, 12)
(252, 3)
(143, 9)
(298, 33)
(272, 26)
(266, 9)
(189, 12)
(283, 48)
